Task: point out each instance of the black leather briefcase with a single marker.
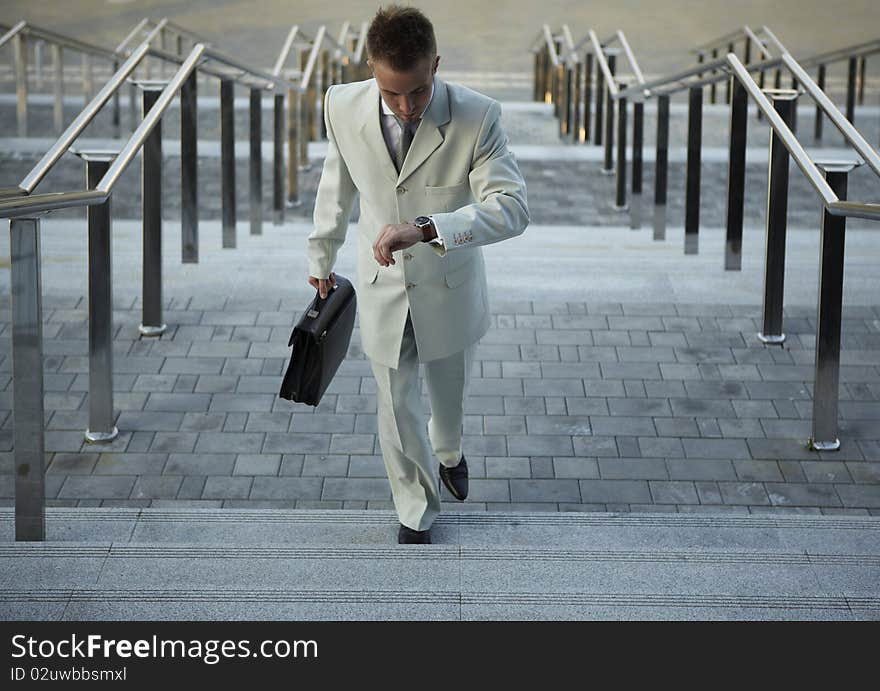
(320, 342)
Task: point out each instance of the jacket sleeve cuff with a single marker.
(438, 244)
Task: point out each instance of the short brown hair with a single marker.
(400, 37)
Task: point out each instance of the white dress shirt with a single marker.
(391, 131)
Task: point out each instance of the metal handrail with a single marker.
(858, 50)
(39, 203)
(610, 82)
(631, 58)
(81, 121)
(788, 139)
(64, 41)
(850, 133)
(568, 42)
(163, 23)
(285, 50)
(721, 40)
(11, 32)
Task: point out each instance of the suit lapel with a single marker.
(428, 136)
(371, 131)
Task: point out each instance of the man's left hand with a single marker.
(392, 238)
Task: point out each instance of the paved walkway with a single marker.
(595, 389)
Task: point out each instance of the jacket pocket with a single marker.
(457, 276)
(448, 189)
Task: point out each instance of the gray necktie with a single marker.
(406, 137)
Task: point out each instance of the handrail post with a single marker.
(536, 76)
(295, 134)
(101, 418)
(323, 85)
(27, 373)
(117, 124)
(609, 122)
(588, 93)
(861, 91)
(728, 94)
(303, 119)
(189, 170)
(620, 200)
(19, 52)
(661, 159)
(817, 127)
(576, 105)
(565, 120)
(736, 175)
(712, 89)
(256, 161)
(829, 316)
(694, 156)
(852, 65)
(227, 159)
(554, 89)
(600, 105)
(58, 90)
(278, 160)
(638, 143)
(151, 193)
(777, 210)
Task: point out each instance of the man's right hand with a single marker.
(322, 285)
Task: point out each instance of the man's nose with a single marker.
(407, 105)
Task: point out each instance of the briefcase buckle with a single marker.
(312, 314)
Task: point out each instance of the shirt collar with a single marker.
(387, 111)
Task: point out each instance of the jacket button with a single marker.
(410, 285)
(407, 255)
(401, 189)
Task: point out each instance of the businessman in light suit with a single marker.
(435, 179)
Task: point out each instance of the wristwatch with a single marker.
(424, 224)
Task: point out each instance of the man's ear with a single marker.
(436, 62)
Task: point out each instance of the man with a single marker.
(436, 181)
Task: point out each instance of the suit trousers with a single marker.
(406, 448)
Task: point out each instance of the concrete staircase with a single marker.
(133, 564)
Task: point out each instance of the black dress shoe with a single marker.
(456, 479)
(408, 536)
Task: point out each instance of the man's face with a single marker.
(406, 93)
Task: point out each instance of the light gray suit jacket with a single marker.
(459, 170)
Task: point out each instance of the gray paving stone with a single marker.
(796, 494)
(623, 491)
(780, 449)
(149, 420)
(651, 407)
(355, 488)
(580, 468)
(257, 464)
(221, 383)
(544, 490)
(864, 472)
(716, 448)
(156, 487)
(558, 424)
(296, 443)
(241, 402)
(700, 469)
(743, 493)
(865, 496)
(542, 467)
(191, 365)
(199, 464)
(673, 492)
(757, 471)
(740, 427)
(220, 487)
(595, 446)
(171, 442)
(660, 447)
(539, 445)
(227, 442)
(632, 468)
(369, 466)
(73, 463)
(96, 487)
(619, 425)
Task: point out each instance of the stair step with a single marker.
(327, 564)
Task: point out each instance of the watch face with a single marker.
(422, 221)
